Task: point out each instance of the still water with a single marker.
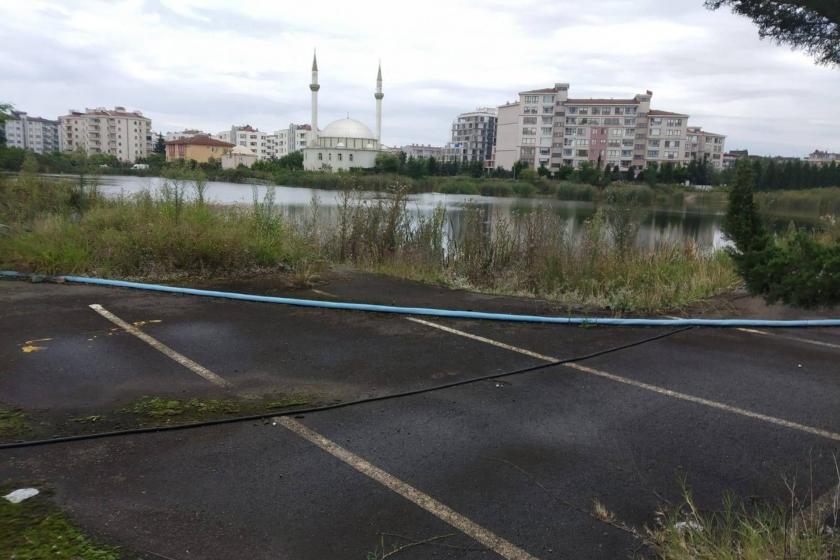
(691, 221)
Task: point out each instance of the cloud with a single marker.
(212, 63)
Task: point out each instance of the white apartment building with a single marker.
(124, 134)
(31, 133)
(295, 137)
(248, 136)
(703, 145)
(423, 151)
(545, 127)
(820, 158)
(265, 145)
(473, 136)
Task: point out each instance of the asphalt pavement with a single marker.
(506, 468)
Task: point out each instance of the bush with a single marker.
(795, 269)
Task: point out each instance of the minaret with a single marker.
(314, 87)
(379, 95)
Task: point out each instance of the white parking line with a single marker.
(443, 512)
(646, 386)
(777, 335)
(161, 347)
(794, 338)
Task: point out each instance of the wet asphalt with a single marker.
(524, 458)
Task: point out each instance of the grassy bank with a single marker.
(54, 227)
(809, 202)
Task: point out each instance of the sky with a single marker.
(209, 64)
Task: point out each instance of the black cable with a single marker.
(310, 410)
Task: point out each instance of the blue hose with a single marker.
(451, 313)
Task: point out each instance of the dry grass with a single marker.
(174, 233)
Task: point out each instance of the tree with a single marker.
(810, 25)
(742, 224)
(160, 145)
(651, 173)
(5, 111)
(29, 165)
(387, 163)
(432, 166)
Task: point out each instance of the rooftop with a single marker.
(602, 102)
(543, 90)
(658, 113)
(199, 140)
(103, 112)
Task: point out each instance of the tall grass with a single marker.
(809, 202)
(171, 232)
(531, 253)
(175, 232)
(744, 532)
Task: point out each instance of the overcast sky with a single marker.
(211, 63)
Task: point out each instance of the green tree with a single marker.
(432, 166)
(811, 25)
(160, 145)
(651, 173)
(742, 224)
(5, 111)
(30, 164)
(387, 163)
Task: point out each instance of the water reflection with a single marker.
(691, 221)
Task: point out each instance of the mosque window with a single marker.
(350, 157)
(320, 156)
(329, 156)
(339, 157)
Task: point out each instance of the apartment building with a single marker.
(473, 136)
(702, 145)
(250, 137)
(820, 158)
(268, 146)
(545, 127)
(31, 133)
(124, 134)
(424, 151)
(291, 139)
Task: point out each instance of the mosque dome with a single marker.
(347, 128)
(242, 151)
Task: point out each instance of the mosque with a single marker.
(345, 143)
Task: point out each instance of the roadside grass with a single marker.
(34, 530)
(176, 234)
(13, 423)
(155, 410)
(743, 532)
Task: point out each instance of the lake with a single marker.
(691, 220)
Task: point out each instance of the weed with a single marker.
(161, 409)
(742, 532)
(13, 422)
(33, 529)
(601, 512)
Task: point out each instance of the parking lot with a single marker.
(506, 468)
